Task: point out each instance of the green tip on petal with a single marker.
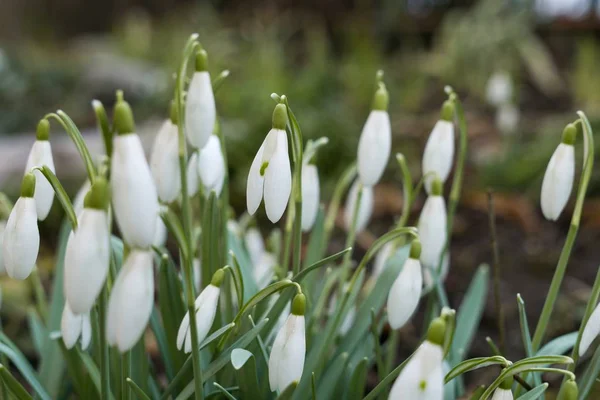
(477, 393)
(263, 168)
(447, 113)
(423, 385)
(201, 61)
(569, 134)
(123, 116)
(28, 185)
(299, 304)
(98, 196)
(279, 116)
(507, 383)
(381, 98)
(173, 112)
(436, 187)
(436, 331)
(218, 277)
(415, 249)
(43, 130)
(568, 391)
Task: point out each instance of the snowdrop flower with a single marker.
(160, 234)
(263, 262)
(21, 241)
(270, 175)
(40, 155)
(197, 268)
(348, 321)
(2, 229)
(365, 208)
(422, 378)
(499, 89)
(164, 160)
(72, 326)
(286, 361)
(310, 196)
(200, 109)
(432, 227)
(504, 392)
(193, 179)
(87, 254)
(405, 293)
(590, 332)
(375, 142)
(131, 300)
(206, 309)
(211, 165)
(439, 150)
(507, 118)
(133, 191)
(558, 179)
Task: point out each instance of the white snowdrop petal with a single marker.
(278, 179)
(558, 181)
(205, 313)
(197, 268)
(211, 165)
(406, 385)
(374, 147)
(40, 155)
(86, 331)
(200, 110)
(87, 259)
(134, 194)
(193, 180)
(160, 234)
(310, 196)
(70, 327)
(286, 361)
(502, 394)
(432, 231)
(405, 294)
(434, 388)
(183, 331)
(348, 321)
(113, 309)
(164, 162)
(21, 241)
(590, 332)
(255, 183)
(365, 208)
(439, 153)
(2, 229)
(499, 89)
(507, 118)
(425, 367)
(264, 269)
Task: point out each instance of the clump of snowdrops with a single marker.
(237, 318)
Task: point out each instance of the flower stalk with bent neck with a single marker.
(439, 150)
(164, 159)
(405, 292)
(134, 194)
(559, 176)
(206, 308)
(87, 254)
(40, 155)
(200, 109)
(422, 378)
(432, 227)
(375, 142)
(21, 236)
(270, 175)
(286, 362)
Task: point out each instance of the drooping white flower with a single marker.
(263, 262)
(432, 227)
(2, 229)
(193, 179)
(405, 292)
(21, 241)
(365, 208)
(348, 321)
(558, 179)
(164, 162)
(504, 392)
(375, 142)
(134, 196)
(87, 254)
(211, 165)
(499, 89)
(160, 234)
(73, 326)
(507, 118)
(439, 150)
(286, 361)
(310, 196)
(40, 155)
(422, 378)
(197, 268)
(131, 300)
(200, 109)
(591, 331)
(206, 308)
(270, 176)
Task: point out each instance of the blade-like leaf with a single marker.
(137, 390)
(244, 365)
(61, 194)
(358, 380)
(13, 385)
(174, 226)
(473, 364)
(329, 380)
(20, 361)
(559, 345)
(534, 393)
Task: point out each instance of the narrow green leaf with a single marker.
(217, 394)
(103, 125)
(288, 392)
(13, 385)
(333, 375)
(534, 393)
(559, 345)
(38, 331)
(526, 336)
(327, 260)
(244, 365)
(174, 226)
(586, 383)
(224, 391)
(358, 380)
(316, 247)
(313, 386)
(469, 314)
(238, 279)
(237, 248)
(473, 364)
(218, 81)
(137, 390)
(77, 138)
(61, 195)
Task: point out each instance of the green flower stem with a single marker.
(104, 361)
(496, 267)
(561, 268)
(104, 125)
(40, 296)
(189, 51)
(407, 190)
(125, 373)
(589, 309)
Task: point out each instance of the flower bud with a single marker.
(193, 179)
(504, 392)
(568, 391)
(200, 109)
(591, 331)
(40, 155)
(310, 196)
(365, 208)
(211, 165)
(164, 162)
(405, 292)
(432, 228)
(439, 150)
(499, 88)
